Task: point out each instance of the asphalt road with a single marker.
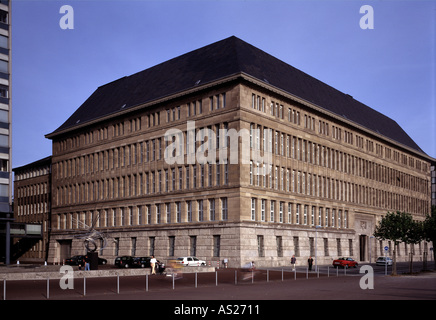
(228, 284)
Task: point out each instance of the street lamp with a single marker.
(316, 240)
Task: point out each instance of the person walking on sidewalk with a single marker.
(153, 265)
(310, 262)
(293, 262)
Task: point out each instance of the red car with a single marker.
(344, 262)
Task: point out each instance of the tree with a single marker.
(414, 235)
(395, 226)
(430, 230)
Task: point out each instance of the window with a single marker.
(189, 211)
(297, 214)
(151, 243)
(168, 212)
(260, 246)
(224, 211)
(262, 210)
(200, 210)
(133, 240)
(279, 242)
(296, 246)
(158, 213)
(273, 203)
(4, 66)
(216, 245)
(117, 246)
(212, 209)
(193, 245)
(171, 245)
(253, 209)
(178, 212)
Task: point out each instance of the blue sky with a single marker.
(390, 68)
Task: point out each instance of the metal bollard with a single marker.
(48, 288)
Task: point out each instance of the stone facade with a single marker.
(233, 168)
(112, 178)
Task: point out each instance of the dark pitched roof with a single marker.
(221, 59)
(38, 163)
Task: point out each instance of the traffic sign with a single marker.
(386, 248)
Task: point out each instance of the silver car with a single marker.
(381, 261)
(191, 261)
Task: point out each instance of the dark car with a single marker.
(74, 261)
(124, 261)
(141, 262)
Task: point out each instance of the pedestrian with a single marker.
(310, 262)
(293, 262)
(87, 264)
(153, 265)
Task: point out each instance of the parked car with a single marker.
(124, 261)
(381, 261)
(141, 262)
(74, 261)
(345, 263)
(191, 261)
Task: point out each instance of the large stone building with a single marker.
(228, 152)
(32, 206)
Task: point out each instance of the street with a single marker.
(229, 284)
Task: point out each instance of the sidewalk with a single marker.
(37, 272)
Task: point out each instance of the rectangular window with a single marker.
(193, 245)
(260, 246)
(271, 214)
(151, 243)
(279, 242)
(224, 210)
(253, 209)
(133, 240)
(216, 245)
(262, 210)
(168, 212)
(178, 212)
(200, 210)
(189, 210)
(289, 212)
(212, 209)
(158, 213)
(171, 245)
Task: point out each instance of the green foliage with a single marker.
(430, 226)
(396, 226)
